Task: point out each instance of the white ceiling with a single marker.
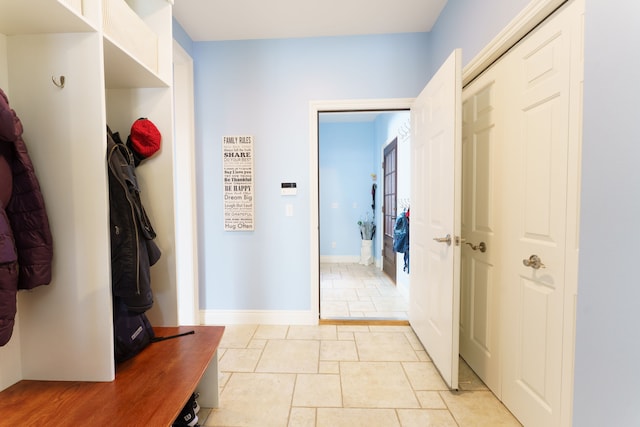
(208, 20)
(351, 116)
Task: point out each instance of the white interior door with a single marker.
(434, 306)
(481, 198)
(535, 268)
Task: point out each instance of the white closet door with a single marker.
(538, 144)
(481, 198)
(434, 306)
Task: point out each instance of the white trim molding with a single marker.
(531, 16)
(257, 317)
(339, 259)
(316, 107)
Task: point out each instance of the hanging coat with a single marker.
(133, 250)
(26, 245)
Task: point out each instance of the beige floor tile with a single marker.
(346, 417)
(318, 391)
(271, 332)
(319, 332)
(390, 303)
(239, 360)
(257, 344)
(384, 346)
(426, 418)
(203, 414)
(478, 409)
(338, 282)
(468, 380)
(376, 385)
(221, 352)
(302, 417)
(393, 315)
(353, 328)
(292, 356)
(340, 294)
(335, 310)
(430, 400)
(423, 356)
(368, 292)
(346, 336)
(342, 375)
(325, 283)
(424, 376)
(390, 291)
(338, 350)
(391, 328)
(223, 377)
(237, 336)
(251, 399)
(351, 283)
(413, 340)
(326, 367)
(363, 306)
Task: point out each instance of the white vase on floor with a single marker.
(366, 252)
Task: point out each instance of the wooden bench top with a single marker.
(149, 390)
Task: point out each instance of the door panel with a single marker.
(537, 131)
(434, 307)
(480, 290)
(390, 167)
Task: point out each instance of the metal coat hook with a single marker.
(60, 84)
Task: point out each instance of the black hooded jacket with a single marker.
(133, 250)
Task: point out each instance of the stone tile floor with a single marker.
(341, 375)
(355, 291)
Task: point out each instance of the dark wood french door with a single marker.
(389, 208)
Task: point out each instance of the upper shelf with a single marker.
(53, 16)
(130, 48)
(122, 71)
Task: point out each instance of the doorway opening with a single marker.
(363, 170)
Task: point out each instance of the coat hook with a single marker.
(59, 84)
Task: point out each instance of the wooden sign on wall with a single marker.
(237, 178)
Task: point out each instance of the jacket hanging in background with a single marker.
(401, 237)
(26, 244)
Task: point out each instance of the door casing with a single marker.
(316, 107)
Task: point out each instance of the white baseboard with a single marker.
(339, 259)
(257, 317)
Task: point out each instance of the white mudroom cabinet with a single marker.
(115, 58)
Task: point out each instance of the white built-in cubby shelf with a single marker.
(37, 16)
(114, 74)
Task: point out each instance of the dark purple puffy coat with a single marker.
(26, 247)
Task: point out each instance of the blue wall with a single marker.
(263, 88)
(181, 36)
(607, 373)
(346, 159)
(470, 25)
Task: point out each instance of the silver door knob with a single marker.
(534, 262)
(446, 239)
(482, 247)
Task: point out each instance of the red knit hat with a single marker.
(145, 137)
